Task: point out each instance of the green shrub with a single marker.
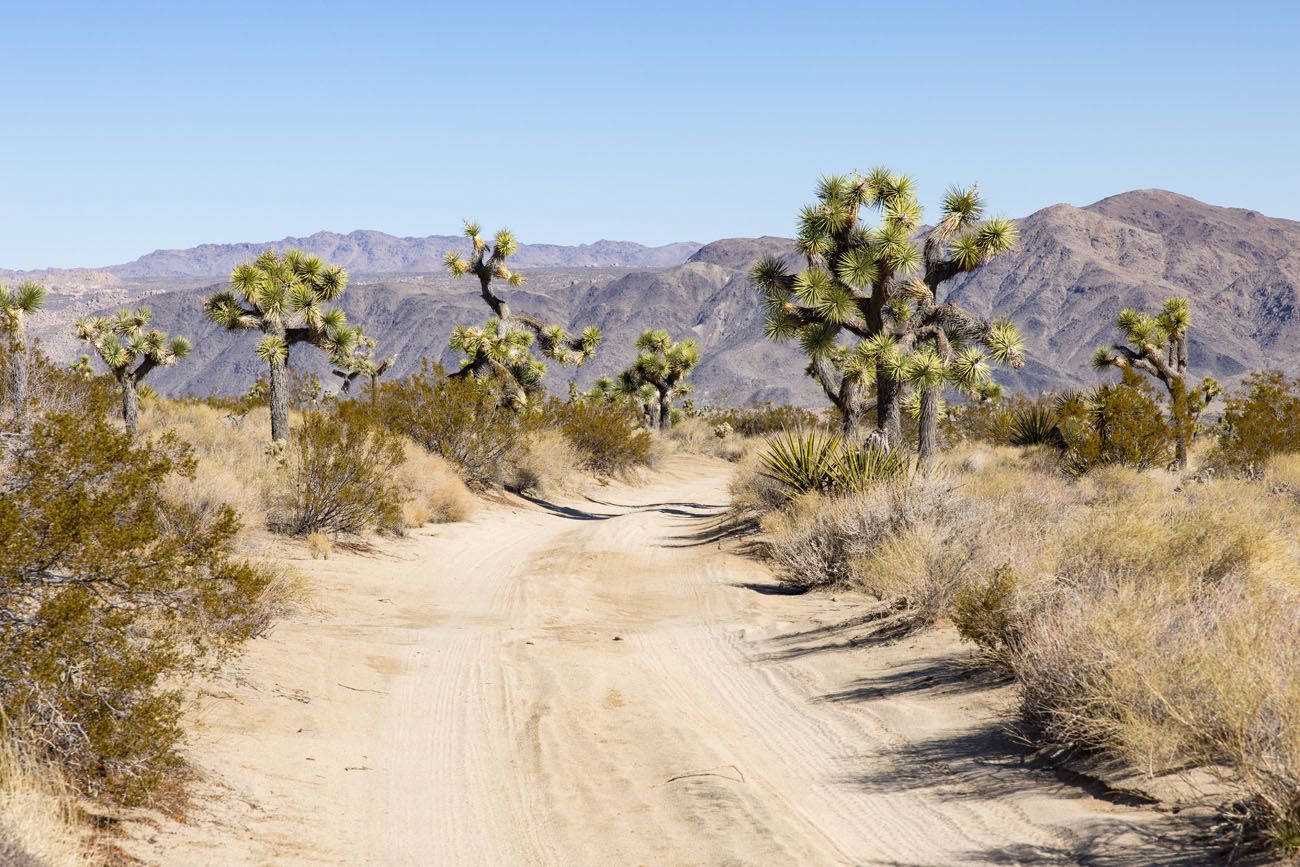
(339, 473)
(459, 419)
(1118, 423)
(1260, 420)
(607, 434)
(1033, 425)
(985, 613)
(110, 596)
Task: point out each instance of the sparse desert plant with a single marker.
(431, 490)
(549, 464)
(363, 360)
(15, 306)
(985, 614)
(1157, 346)
(284, 298)
(764, 419)
(1260, 420)
(338, 477)
(39, 821)
(607, 435)
(460, 419)
(130, 353)
(319, 546)
(111, 595)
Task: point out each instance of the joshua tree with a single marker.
(1157, 346)
(502, 353)
(487, 262)
(628, 385)
(283, 297)
(362, 361)
(866, 293)
(15, 306)
(664, 365)
(130, 353)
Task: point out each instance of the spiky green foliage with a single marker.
(821, 462)
(15, 306)
(488, 262)
(1034, 425)
(1157, 346)
(285, 298)
(363, 360)
(130, 352)
(869, 295)
(503, 354)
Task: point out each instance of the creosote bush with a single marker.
(607, 435)
(111, 595)
(1260, 420)
(338, 477)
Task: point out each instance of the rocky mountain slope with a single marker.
(1075, 268)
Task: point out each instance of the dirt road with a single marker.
(605, 683)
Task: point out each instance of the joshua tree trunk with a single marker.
(929, 424)
(665, 410)
(18, 378)
(279, 397)
(652, 414)
(1184, 422)
(889, 418)
(130, 403)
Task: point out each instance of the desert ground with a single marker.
(611, 680)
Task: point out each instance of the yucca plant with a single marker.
(487, 262)
(866, 290)
(15, 306)
(1034, 425)
(827, 463)
(802, 462)
(130, 353)
(284, 297)
(1157, 346)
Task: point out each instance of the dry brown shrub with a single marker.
(39, 820)
(548, 465)
(319, 546)
(431, 490)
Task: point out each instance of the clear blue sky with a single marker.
(133, 126)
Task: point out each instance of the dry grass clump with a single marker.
(698, 436)
(232, 463)
(549, 464)
(753, 492)
(430, 490)
(39, 820)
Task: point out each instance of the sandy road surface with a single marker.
(604, 683)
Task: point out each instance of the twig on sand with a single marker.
(360, 689)
(708, 772)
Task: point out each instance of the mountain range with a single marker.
(1072, 272)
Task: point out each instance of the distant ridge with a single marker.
(362, 251)
(1072, 272)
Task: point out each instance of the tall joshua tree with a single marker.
(628, 385)
(867, 292)
(487, 262)
(1157, 346)
(284, 298)
(362, 361)
(15, 306)
(664, 365)
(130, 352)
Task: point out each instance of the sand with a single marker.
(603, 682)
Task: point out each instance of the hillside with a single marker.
(1074, 270)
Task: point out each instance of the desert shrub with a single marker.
(110, 596)
(984, 612)
(821, 462)
(607, 434)
(430, 489)
(338, 477)
(549, 464)
(1117, 423)
(460, 419)
(764, 419)
(1260, 420)
(1033, 425)
(699, 437)
(753, 492)
(53, 389)
(38, 814)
